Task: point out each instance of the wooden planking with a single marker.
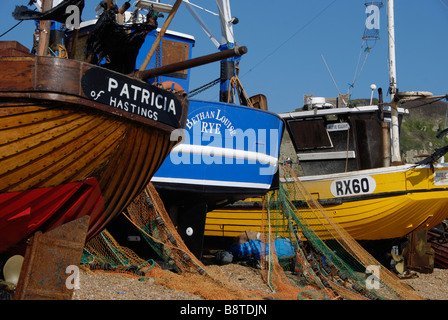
(53, 161)
(146, 162)
(67, 79)
(15, 73)
(55, 146)
(134, 163)
(90, 157)
(28, 137)
(50, 135)
(57, 132)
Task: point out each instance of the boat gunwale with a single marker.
(374, 171)
(75, 95)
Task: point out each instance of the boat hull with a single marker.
(399, 200)
(229, 153)
(389, 202)
(67, 144)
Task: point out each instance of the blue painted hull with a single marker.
(228, 153)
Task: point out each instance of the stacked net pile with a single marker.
(149, 216)
(104, 252)
(328, 262)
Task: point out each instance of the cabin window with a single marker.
(309, 134)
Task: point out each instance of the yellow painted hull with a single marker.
(370, 204)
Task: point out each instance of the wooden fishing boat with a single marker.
(77, 140)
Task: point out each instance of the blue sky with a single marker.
(287, 40)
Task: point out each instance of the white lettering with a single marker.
(113, 84)
(145, 96)
(113, 102)
(172, 107)
(158, 105)
(136, 91)
(125, 90)
(138, 100)
(192, 310)
(204, 126)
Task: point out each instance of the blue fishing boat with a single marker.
(228, 150)
(229, 153)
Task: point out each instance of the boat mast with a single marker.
(45, 26)
(227, 42)
(396, 157)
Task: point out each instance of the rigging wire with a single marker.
(12, 28)
(358, 73)
(201, 8)
(337, 88)
(366, 47)
(17, 24)
(444, 4)
(292, 36)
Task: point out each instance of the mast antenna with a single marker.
(370, 36)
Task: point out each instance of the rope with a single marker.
(150, 267)
(60, 51)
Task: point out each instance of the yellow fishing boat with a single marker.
(383, 203)
(232, 220)
(350, 162)
(374, 204)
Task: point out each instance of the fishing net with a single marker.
(118, 44)
(328, 263)
(149, 216)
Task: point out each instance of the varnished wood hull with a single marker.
(63, 154)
